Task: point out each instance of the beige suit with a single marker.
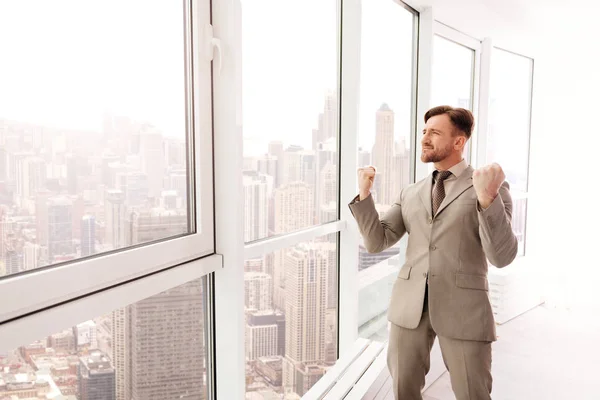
(448, 252)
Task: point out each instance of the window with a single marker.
(386, 129)
(291, 317)
(290, 116)
(96, 133)
(453, 73)
(509, 128)
(154, 349)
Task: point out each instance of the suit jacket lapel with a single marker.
(425, 193)
(464, 181)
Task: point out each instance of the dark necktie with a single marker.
(438, 189)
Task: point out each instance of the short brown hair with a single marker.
(461, 118)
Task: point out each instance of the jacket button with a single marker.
(430, 221)
(432, 248)
(424, 274)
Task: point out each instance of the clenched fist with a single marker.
(366, 176)
(487, 181)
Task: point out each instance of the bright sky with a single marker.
(65, 62)
(290, 63)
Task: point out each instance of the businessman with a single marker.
(457, 219)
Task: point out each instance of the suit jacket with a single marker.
(447, 250)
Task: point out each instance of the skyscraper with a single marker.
(88, 235)
(257, 192)
(383, 155)
(114, 216)
(165, 348)
(258, 291)
(306, 302)
(328, 121)
(60, 227)
(96, 377)
(157, 223)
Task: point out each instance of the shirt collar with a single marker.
(459, 168)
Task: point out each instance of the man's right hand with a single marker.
(366, 175)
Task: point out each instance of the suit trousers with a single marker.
(468, 362)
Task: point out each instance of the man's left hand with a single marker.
(487, 181)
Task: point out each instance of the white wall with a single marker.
(563, 221)
(562, 242)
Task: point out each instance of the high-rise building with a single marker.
(258, 291)
(60, 227)
(31, 256)
(96, 377)
(306, 301)
(265, 334)
(159, 348)
(383, 155)
(299, 165)
(157, 223)
(13, 262)
(257, 192)
(114, 217)
(293, 211)
(134, 185)
(293, 207)
(86, 335)
(88, 235)
(31, 177)
(328, 121)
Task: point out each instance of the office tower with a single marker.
(383, 155)
(299, 165)
(306, 301)
(31, 256)
(293, 207)
(328, 121)
(88, 235)
(31, 177)
(72, 171)
(134, 185)
(13, 261)
(265, 334)
(86, 335)
(159, 347)
(114, 217)
(157, 223)
(60, 227)
(258, 291)
(96, 377)
(257, 193)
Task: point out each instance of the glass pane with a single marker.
(290, 118)
(385, 130)
(291, 319)
(452, 74)
(151, 350)
(452, 77)
(509, 127)
(92, 129)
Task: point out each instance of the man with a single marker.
(455, 218)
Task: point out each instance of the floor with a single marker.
(544, 354)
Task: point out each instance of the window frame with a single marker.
(462, 39)
(20, 295)
(482, 150)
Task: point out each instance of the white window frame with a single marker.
(487, 59)
(27, 294)
(462, 39)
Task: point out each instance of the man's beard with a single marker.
(436, 155)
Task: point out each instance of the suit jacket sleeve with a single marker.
(495, 229)
(377, 234)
